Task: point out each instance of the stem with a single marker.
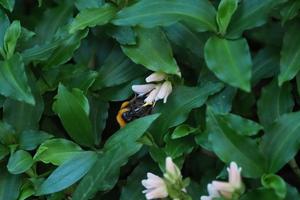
(293, 164)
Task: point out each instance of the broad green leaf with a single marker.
(68, 173)
(4, 24)
(117, 69)
(276, 183)
(9, 185)
(91, 17)
(260, 194)
(57, 151)
(72, 107)
(13, 80)
(65, 51)
(225, 11)
(182, 100)
(250, 14)
(199, 14)
(178, 147)
(52, 20)
(183, 36)
(27, 190)
(290, 54)
(153, 51)
(31, 139)
(4, 151)
(242, 126)
(11, 37)
(229, 146)
(222, 101)
(230, 61)
(265, 65)
(182, 131)
(125, 35)
(289, 11)
(40, 52)
(83, 4)
(98, 116)
(8, 4)
(274, 101)
(7, 134)
(32, 113)
(19, 162)
(281, 141)
(116, 152)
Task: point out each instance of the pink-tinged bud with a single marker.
(155, 187)
(164, 91)
(222, 186)
(206, 198)
(155, 77)
(152, 95)
(235, 175)
(212, 191)
(172, 169)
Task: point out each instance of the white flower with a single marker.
(235, 178)
(143, 89)
(226, 189)
(155, 187)
(156, 77)
(164, 91)
(152, 95)
(172, 169)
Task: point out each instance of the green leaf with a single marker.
(117, 69)
(276, 183)
(4, 24)
(292, 193)
(281, 141)
(230, 146)
(57, 151)
(222, 101)
(265, 65)
(83, 4)
(199, 14)
(182, 100)
(250, 14)
(182, 131)
(4, 151)
(27, 191)
(225, 11)
(19, 162)
(274, 101)
(153, 51)
(32, 113)
(11, 37)
(230, 61)
(125, 35)
(116, 152)
(7, 134)
(242, 126)
(73, 111)
(290, 54)
(13, 80)
(91, 17)
(8, 4)
(260, 194)
(178, 147)
(68, 173)
(65, 51)
(9, 185)
(289, 11)
(30, 139)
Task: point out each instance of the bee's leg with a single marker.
(119, 117)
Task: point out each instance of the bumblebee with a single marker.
(133, 109)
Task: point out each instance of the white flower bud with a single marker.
(152, 95)
(143, 89)
(164, 91)
(155, 187)
(155, 77)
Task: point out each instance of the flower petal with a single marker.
(222, 186)
(152, 95)
(235, 175)
(143, 89)
(155, 77)
(164, 91)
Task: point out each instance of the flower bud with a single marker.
(164, 91)
(155, 77)
(143, 89)
(155, 187)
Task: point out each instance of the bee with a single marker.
(133, 109)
